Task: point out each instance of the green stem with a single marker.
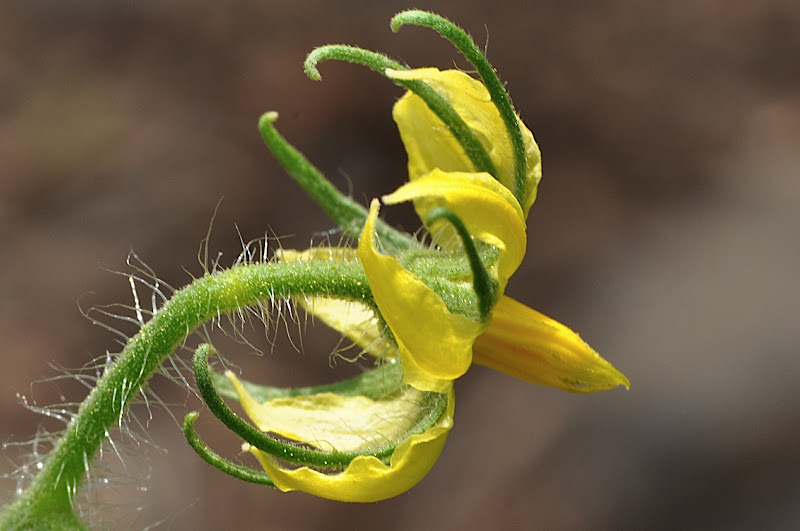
(46, 503)
(464, 43)
(438, 105)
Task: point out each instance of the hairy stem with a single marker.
(47, 502)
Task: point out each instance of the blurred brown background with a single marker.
(665, 232)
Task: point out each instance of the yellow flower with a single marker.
(434, 343)
(415, 324)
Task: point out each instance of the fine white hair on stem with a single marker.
(124, 445)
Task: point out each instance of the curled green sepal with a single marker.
(289, 452)
(351, 54)
(436, 102)
(464, 43)
(348, 214)
(384, 383)
(217, 461)
(485, 286)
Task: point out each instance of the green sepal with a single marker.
(451, 275)
(484, 285)
(289, 452)
(431, 408)
(463, 134)
(345, 212)
(453, 265)
(351, 54)
(217, 461)
(502, 101)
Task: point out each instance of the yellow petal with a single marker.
(487, 208)
(528, 345)
(367, 479)
(430, 145)
(429, 337)
(354, 320)
(331, 422)
(318, 254)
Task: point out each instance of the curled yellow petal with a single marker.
(430, 338)
(430, 145)
(487, 208)
(367, 479)
(528, 345)
(331, 422)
